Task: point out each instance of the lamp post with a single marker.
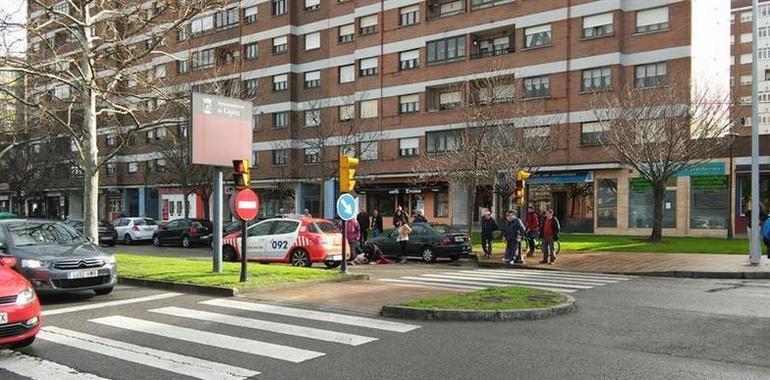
(733, 136)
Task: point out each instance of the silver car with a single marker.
(55, 257)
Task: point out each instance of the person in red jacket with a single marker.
(549, 234)
(532, 226)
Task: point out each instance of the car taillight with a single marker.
(447, 240)
(135, 228)
(192, 230)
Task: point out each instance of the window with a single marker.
(449, 100)
(280, 44)
(347, 112)
(651, 75)
(640, 208)
(312, 155)
(110, 169)
(746, 80)
(496, 93)
(607, 203)
(250, 15)
(313, 79)
(250, 87)
(281, 82)
(745, 38)
(160, 71)
(182, 66)
(278, 7)
(368, 108)
(347, 73)
(367, 67)
(537, 36)
(367, 24)
(228, 17)
(311, 5)
(347, 33)
(280, 156)
(348, 150)
(313, 41)
(409, 147)
(443, 141)
(61, 92)
(763, 54)
(280, 119)
(251, 51)
(409, 59)
(181, 33)
(441, 208)
(446, 50)
(409, 15)
(202, 59)
(409, 103)
(596, 79)
(746, 59)
(453, 8)
(652, 20)
(537, 87)
(746, 17)
(597, 25)
(590, 133)
(492, 47)
(112, 140)
(254, 159)
(254, 123)
(537, 136)
(369, 150)
(132, 167)
(709, 202)
(202, 25)
(313, 118)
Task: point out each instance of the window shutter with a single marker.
(312, 41)
(412, 143)
(368, 108)
(597, 20)
(537, 29)
(368, 63)
(312, 75)
(410, 9)
(283, 40)
(410, 98)
(411, 54)
(250, 11)
(652, 16)
(312, 3)
(347, 29)
(368, 21)
(347, 73)
(450, 97)
(281, 78)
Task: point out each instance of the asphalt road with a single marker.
(644, 328)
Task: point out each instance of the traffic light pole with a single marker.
(344, 264)
(218, 205)
(244, 268)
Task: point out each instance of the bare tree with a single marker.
(662, 131)
(89, 68)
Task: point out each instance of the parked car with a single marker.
(107, 233)
(55, 257)
(185, 232)
(19, 307)
(428, 242)
(300, 241)
(131, 230)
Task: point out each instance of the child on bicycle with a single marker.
(549, 233)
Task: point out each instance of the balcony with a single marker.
(438, 10)
(492, 43)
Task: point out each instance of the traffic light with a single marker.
(518, 193)
(347, 172)
(241, 174)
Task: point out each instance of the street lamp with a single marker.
(733, 136)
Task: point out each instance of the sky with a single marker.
(16, 11)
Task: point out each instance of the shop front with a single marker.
(743, 193)
(570, 194)
(432, 199)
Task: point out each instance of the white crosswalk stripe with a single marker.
(40, 369)
(564, 282)
(169, 361)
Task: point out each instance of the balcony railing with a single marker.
(491, 53)
(440, 15)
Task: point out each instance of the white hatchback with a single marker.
(130, 230)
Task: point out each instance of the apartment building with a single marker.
(392, 68)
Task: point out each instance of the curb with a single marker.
(404, 312)
(671, 274)
(218, 291)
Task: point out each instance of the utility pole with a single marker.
(756, 250)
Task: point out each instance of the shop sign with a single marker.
(4, 197)
(704, 169)
(413, 191)
(640, 185)
(393, 191)
(709, 182)
(560, 178)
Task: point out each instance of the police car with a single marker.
(298, 240)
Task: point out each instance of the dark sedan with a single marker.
(54, 257)
(428, 242)
(185, 232)
(107, 234)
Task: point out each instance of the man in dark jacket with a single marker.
(364, 222)
(549, 233)
(512, 230)
(419, 217)
(376, 223)
(532, 225)
(488, 227)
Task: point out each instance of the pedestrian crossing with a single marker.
(174, 340)
(477, 279)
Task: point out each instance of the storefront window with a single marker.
(381, 201)
(607, 203)
(441, 206)
(640, 205)
(708, 202)
(744, 193)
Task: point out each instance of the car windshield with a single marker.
(151, 222)
(322, 227)
(24, 234)
(444, 229)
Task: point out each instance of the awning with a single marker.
(560, 178)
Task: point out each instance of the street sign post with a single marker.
(347, 209)
(244, 205)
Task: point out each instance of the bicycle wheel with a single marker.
(556, 247)
(524, 246)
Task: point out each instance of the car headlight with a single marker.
(110, 259)
(25, 296)
(32, 264)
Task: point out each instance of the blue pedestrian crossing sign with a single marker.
(347, 206)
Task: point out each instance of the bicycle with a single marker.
(539, 245)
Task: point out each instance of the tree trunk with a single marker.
(187, 204)
(89, 149)
(471, 206)
(659, 196)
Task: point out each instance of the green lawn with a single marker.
(198, 272)
(599, 243)
(508, 298)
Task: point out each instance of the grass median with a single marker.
(198, 272)
(495, 299)
(610, 243)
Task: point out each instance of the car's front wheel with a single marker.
(186, 242)
(428, 254)
(103, 291)
(332, 264)
(127, 239)
(22, 343)
(156, 241)
(300, 258)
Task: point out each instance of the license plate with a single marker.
(337, 258)
(83, 274)
(3, 318)
(106, 237)
(459, 239)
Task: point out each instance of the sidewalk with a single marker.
(644, 264)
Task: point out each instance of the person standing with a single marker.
(353, 234)
(488, 227)
(399, 217)
(532, 226)
(419, 217)
(549, 233)
(364, 222)
(403, 239)
(512, 230)
(376, 223)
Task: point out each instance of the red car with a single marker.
(19, 307)
(300, 241)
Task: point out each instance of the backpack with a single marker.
(766, 231)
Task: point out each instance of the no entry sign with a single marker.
(245, 204)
